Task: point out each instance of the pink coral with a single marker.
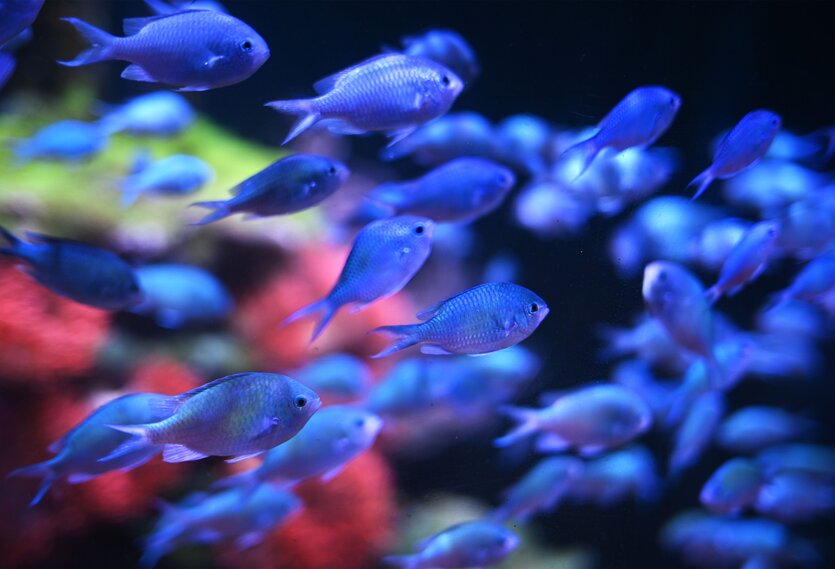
(43, 336)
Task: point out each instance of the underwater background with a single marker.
(565, 62)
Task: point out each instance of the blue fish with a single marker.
(461, 190)
(385, 256)
(408, 389)
(176, 175)
(448, 48)
(638, 120)
(452, 136)
(16, 16)
(336, 376)
(180, 296)
(239, 415)
(164, 8)
(333, 437)
(539, 490)
(470, 544)
(81, 272)
(771, 186)
(68, 140)
(523, 141)
(615, 476)
(813, 281)
(814, 460)
(794, 497)
(78, 453)
(236, 514)
(716, 241)
(696, 431)
(591, 419)
(479, 320)
(156, 114)
(747, 260)
(733, 487)
(546, 209)
(195, 50)
(393, 93)
(7, 66)
(289, 185)
(751, 429)
(744, 145)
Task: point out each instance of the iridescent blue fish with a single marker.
(68, 141)
(539, 490)
(342, 377)
(461, 190)
(813, 281)
(755, 428)
(451, 136)
(696, 431)
(392, 93)
(746, 143)
(84, 273)
(733, 487)
(746, 260)
(615, 476)
(195, 50)
(236, 514)
(448, 48)
(176, 175)
(78, 453)
(479, 320)
(794, 497)
(156, 114)
(470, 544)
(239, 415)
(385, 256)
(523, 141)
(179, 296)
(289, 185)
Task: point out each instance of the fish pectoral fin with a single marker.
(189, 88)
(79, 477)
(212, 61)
(180, 453)
(249, 539)
(332, 473)
(430, 311)
(134, 72)
(243, 457)
(591, 450)
(434, 350)
(398, 135)
(550, 442)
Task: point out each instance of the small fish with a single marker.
(452, 136)
(771, 186)
(746, 260)
(523, 140)
(591, 419)
(638, 120)
(78, 453)
(814, 460)
(479, 320)
(539, 490)
(235, 514)
(407, 390)
(612, 477)
(755, 428)
(340, 377)
(68, 141)
(696, 431)
(546, 209)
(156, 114)
(163, 8)
(646, 339)
(470, 544)
(195, 50)
(813, 281)
(446, 47)
(794, 497)
(677, 300)
(289, 185)
(181, 296)
(81, 272)
(176, 175)
(714, 244)
(16, 16)
(333, 437)
(733, 487)
(239, 415)
(746, 143)
(461, 190)
(393, 93)
(385, 256)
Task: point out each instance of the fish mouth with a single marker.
(373, 425)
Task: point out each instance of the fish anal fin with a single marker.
(180, 453)
(134, 72)
(243, 457)
(434, 350)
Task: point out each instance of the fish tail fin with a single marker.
(42, 469)
(526, 423)
(403, 561)
(101, 43)
(712, 294)
(701, 182)
(406, 335)
(140, 440)
(588, 151)
(305, 108)
(221, 210)
(325, 306)
(246, 481)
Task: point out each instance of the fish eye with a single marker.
(775, 122)
(359, 422)
(301, 402)
(246, 46)
(332, 170)
(445, 80)
(534, 308)
(662, 276)
(672, 101)
(419, 230)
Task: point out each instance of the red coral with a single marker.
(160, 374)
(259, 317)
(43, 336)
(345, 523)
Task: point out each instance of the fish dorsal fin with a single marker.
(431, 311)
(205, 387)
(166, 406)
(132, 26)
(328, 83)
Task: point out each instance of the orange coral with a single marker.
(345, 523)
(311, 277)
(43, 336)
